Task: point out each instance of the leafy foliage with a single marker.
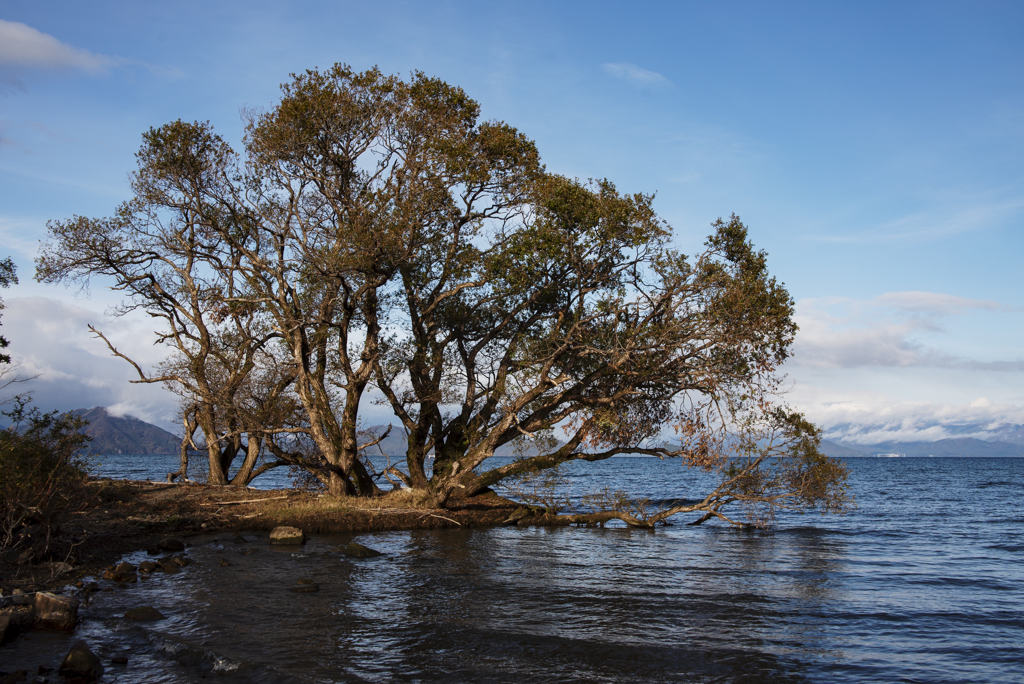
(42, 478)
(377, 235)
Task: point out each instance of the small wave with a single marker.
(1012, 548)
(960, 582)
(204, 662)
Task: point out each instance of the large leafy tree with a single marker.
(377, 235)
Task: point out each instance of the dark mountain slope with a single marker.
(127, 435)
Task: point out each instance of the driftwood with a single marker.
(442, 518)
(244, 501)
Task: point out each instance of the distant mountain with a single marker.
(127, 435)
(1014, 434)
(962, 446)
(836, 450)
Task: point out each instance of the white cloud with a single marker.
(870, 418)
(51, 338)
(22, 45)
(885, 332)
(636, 75)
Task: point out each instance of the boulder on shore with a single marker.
(81, 663)
(287, 535)
(171, 544)
(55, 611)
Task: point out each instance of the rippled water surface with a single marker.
(923, 583)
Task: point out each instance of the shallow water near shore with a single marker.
(923, 583)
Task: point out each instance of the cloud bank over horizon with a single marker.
(866, 370)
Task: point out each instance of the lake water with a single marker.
(924, 582)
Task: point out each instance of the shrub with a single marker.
(42, 479)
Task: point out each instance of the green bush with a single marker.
(42, 479)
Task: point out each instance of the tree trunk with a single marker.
(252, 454)
(216, 475)
(339, 485)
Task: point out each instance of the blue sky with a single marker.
(874, 150)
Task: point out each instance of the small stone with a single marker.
(144, 614)
(170, 568)
(359, 551)
(54, 611)
(124, 568)
(147, 566)
(305, 581)
(239, 539)
(287, 535)
(171, 544)
(119, 660)
(82, 663)
(224, 562)
(248, 552)
(154, 551)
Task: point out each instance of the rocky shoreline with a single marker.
(129, 516)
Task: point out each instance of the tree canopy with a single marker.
(376, 239)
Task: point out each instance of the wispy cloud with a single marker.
(636, 75)
(885, 331)
(944, 221)
(19, 236)
(22, 45)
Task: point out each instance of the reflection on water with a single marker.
(909, 588)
